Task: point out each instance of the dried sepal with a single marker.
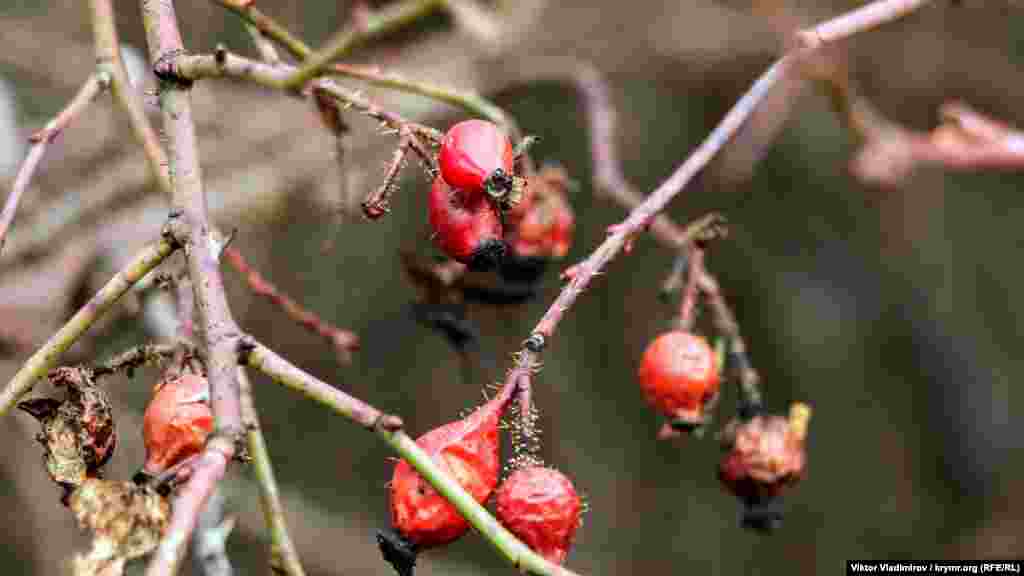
(78, 432)
(126, 521)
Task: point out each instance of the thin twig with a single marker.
(376, 203)
(689, 301)
(726, 324)
(96, 84)
(46, 357)
(645, 213)
(389, 428)
(284, 558)
(391, 18)
(108, 55)
(864, 18)
(136, 357)
(470, 102)
(269, 27)
(344, 342)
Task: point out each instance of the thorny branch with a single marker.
(471, 102)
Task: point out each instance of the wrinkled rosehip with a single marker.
(679, 375)
(541, 507)
(177, 422)
(468, 450)
(466, 227)
(476, 156)
(545, 228)
(765, 455)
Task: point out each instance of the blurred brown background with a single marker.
(891, 311)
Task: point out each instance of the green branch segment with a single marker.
(46, 357)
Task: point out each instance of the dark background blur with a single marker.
(891, 311)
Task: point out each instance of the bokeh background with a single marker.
(891, 310)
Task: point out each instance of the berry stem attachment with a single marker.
(750, 402)
(687, 308)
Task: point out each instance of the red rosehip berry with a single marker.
(540, 506)
(177, 422)
(466, 227)
(678, 375)
(765, 454)
(476, 155)
(468, 450)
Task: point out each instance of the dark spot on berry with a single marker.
(487, 255)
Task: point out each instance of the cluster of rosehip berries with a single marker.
(680, 376)
(479, 194)
(538, 505)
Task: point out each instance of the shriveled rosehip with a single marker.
(545, 229)
(468, 450)
(540, 506)
(466, 227)
(765, 454)
(476, 155)
(78, 433)
(177, 422)
(678, 375)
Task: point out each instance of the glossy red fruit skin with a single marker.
(541, 507)
(678, 375)
(176, 423)
(466, 227)
(468, 450)
(471, 152)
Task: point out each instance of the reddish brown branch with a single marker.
(343, 341)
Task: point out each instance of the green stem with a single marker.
(470, 102)
(284, 558)
(341, 44)
(46, 357)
